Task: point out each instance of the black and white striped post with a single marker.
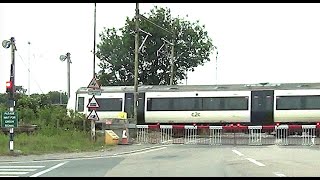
(12, 88)
(11, 140)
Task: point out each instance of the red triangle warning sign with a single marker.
(93, 103)
(93, 116)
(94, 83)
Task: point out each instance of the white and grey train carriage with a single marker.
(255, 104)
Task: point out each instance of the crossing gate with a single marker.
(215, 135)
(255, 133)
(166, 134)
(142, 133)
(281, 135)
(306, 135)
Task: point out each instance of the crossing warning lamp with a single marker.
(9, 86)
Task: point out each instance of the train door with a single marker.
(141, 108)
(129, 109)
(128, 106)
(262, 107)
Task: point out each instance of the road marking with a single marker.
(237, 152)
(8, 171)
(139, 150)
(83, 158)
(13, 173)
(279, 174)
(49, 169)
(144, 151)
(21, 166)
(255, 162)
(18, 169)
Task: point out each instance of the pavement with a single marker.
(116, 150)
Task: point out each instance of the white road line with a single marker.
(49, 169)
(144, 151)
(279, 174)
(140, 150)
(13, 173)
(18, 169)
(21, 167)
(255, 162)
(237, 152)
(83, 158)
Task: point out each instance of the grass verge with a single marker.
(49, 140)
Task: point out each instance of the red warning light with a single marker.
(238, 124)
(318, 124)
(9, 84)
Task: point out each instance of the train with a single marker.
(245, 104)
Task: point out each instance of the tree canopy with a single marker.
(192, 47)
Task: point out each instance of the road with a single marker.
(177, 161)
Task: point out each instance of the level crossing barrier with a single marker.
(282, 135)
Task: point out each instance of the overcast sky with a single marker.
(257, 42)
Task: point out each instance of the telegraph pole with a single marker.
(136, 51)
(29, 69)
(92, 122)
(215, 47)
(172, 63)
(172, 55)
(94, 42)
(68, 69)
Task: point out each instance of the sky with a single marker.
(256, 42)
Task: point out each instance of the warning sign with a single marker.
(93, 103)
(93, 116)
(94, 83)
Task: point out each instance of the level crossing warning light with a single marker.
(9, 86)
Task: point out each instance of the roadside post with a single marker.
(9, 119)
(94, 90)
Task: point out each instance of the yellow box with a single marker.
(111, 138)
(122, 115)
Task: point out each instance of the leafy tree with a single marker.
(56, 97)
(192, 47)
(3, 98)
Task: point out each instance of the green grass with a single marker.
(49, 140)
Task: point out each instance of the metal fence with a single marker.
(282, 135)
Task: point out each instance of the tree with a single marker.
(192, 47)
(56, 97)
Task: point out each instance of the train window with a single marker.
(197, 104)
(80, 104)
(225, 103)
(268, 103)
(312, 102)
(209, 104)
(289, 103)
(109, 104)
(173, 104)
(159, 104)
(256, 103)
(235, 103)
(185, 104)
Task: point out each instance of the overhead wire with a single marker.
(30, 72)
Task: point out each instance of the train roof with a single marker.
(220, 87)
